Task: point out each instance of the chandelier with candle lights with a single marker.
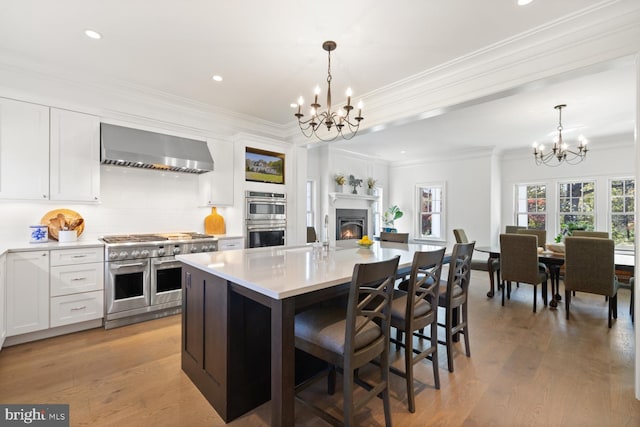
(560, 153)
(337, 123)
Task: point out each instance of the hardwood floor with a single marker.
(525, 369)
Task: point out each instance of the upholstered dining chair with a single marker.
(453, 297)
(583, 233)
(519, 263)
(513, 229)
(590, 267)
(394, 237)
(541, 234)
(630, 286)
(352, 337)
(414, 310)
(311, 235)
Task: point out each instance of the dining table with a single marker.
(282, 280)
(554, 260)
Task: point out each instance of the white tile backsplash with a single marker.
(132, 201)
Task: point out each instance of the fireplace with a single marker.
(351, 223)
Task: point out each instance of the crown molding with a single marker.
(448, 156)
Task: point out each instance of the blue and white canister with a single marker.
(38, 233)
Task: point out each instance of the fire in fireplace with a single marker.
(351, 223)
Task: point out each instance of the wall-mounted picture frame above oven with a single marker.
(264, 166)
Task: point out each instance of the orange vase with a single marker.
(214, 223)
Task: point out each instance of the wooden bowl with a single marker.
(58, 219)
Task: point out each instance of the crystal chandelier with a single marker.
(338, 123)
(560, 152)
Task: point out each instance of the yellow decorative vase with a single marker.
(214, 223)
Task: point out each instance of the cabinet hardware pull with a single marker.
(79, 308)
(78, 279)
(78, 256)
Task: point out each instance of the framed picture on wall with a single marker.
(264, 166)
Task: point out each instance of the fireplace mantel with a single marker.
(335, 196)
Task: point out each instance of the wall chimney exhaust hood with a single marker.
(122, 146)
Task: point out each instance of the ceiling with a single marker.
(269, 53)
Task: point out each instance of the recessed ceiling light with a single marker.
(403, 152)
(93, 34)
(524, 2)
(217, 78)
(293, 105)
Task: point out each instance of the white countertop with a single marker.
(24, 245)
(281, 271)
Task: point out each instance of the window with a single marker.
(623, 219)
(310, 205)
(431, 211)
(577, 205)
(377, 213)
(531, 206)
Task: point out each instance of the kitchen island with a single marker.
(238, 318)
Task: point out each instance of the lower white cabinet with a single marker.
(47, 289)
(27, 292)
(3, 317)
(74, 308)
(231, 244)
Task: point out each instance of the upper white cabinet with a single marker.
(24, 150)
(43, 157)
(216, 187)
(75, 156)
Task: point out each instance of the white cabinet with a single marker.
(24, 150)
(216, 187)
(27, 292)
(3, 317)
(77, 284)
(231, 244)
(74, 156)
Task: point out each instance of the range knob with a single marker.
(194, 249)
(123, 255)
(113, 255)
(176, 250)
(135, 253)
(144, 253)
(161, 251)
(205, 248)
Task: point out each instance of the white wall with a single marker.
(467, 194)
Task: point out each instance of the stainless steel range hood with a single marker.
(122, 146)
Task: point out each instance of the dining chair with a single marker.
(519, 263)
(311, 235)
(414, 310)
(541, 234)
(630, 286)
(482, 265)
(394, 237)
(583, 233)
(351, 337)
(513, 229)
(590, 267)
(453, 297)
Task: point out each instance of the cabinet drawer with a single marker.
(77, 256)
(230, 244)
(77, 308)
(74, 279)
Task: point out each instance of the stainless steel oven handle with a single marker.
(261, 228)
(170, 261)
(137, 264)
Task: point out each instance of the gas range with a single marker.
(138, 246)
(143, 280)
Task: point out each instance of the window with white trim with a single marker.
(310, 209)
(576, 205)
(531, 206)
(430, 202)
(622, 193)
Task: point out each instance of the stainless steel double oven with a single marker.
(142, 277)
(266, 219)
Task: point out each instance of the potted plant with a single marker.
(340, 180)
(390, 216)
(371, 186)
